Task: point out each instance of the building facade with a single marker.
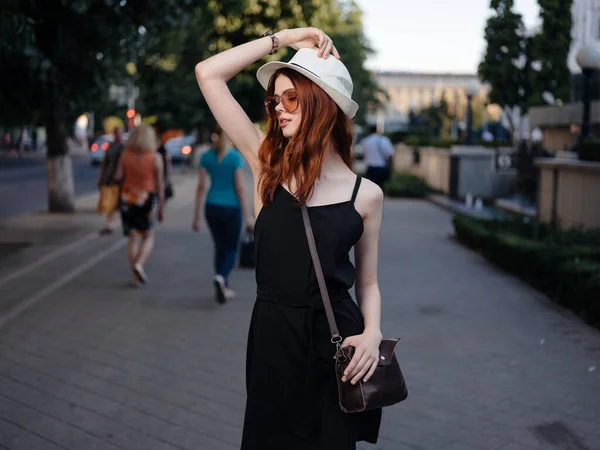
(408, 91)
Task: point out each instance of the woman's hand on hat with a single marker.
(311, 37)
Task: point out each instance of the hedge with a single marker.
(565, 265)
(589, 150)
(403, 184)
(428, 141)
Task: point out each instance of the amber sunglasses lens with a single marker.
(290, 101)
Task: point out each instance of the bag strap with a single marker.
(335, 334)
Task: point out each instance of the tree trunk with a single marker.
(508, 112)
(61, 195)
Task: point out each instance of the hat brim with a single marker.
(347, 105)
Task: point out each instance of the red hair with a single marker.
(300, 158)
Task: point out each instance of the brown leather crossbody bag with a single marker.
(386, 387)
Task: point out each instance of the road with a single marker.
(23, 186)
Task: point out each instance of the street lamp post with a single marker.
(588, 59)
(471, 90)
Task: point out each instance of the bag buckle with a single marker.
(337, 340)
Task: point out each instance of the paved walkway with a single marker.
(94, 364)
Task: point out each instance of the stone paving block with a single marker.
(58, 431)
(515, 446)
(15, 437)
(171, 425)
(141, 384)
(115, 400)
(460, 446)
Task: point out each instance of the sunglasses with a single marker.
(288, 98)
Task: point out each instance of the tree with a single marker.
(434, 118)
(171, 92)
(551, 74)
(505, 65)
(57, 57)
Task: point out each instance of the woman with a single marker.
(166, 159)
(225, 206)
(141, 170)
(305, 157)
(109, 190)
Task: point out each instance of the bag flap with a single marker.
(386, 351)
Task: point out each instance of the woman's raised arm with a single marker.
(213, 73)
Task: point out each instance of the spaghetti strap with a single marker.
(356, 186)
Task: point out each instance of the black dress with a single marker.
(292, 399)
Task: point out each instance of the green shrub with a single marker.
(592, 313)
(564, 264)
(575, 277)
(428, 141)
(471, 232)
(494, 144)
(396, 136)
(415, 140)
(406, 185)
(588, 150)
(442, 143)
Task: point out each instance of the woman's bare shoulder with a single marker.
(369, 199)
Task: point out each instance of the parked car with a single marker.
(180, 147)
(98, 147)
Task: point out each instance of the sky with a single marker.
(431, 35)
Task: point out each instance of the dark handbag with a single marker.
(169, 192)
(247, 259)
(387, 386)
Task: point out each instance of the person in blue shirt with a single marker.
(225, 207)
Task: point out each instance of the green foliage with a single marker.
(428, 141)
(588, 150)
(58, 58)
(521, 68)
(434, 120)
(551, 49)
(215, 26)
(406, 185)
(505, 65)
(396, 136)
(579, 287)
(493, 144)
(564, 264)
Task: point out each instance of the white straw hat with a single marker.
(329, 74)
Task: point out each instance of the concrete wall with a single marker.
(472, 168)
(561, 124)
(569, 193)
(478, 176)
(433, 166)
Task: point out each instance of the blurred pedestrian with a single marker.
(304, 159)
(108, 203)
(142, 192)
(166, 159)
(378, 151)
(226, 205)
(34, 140)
